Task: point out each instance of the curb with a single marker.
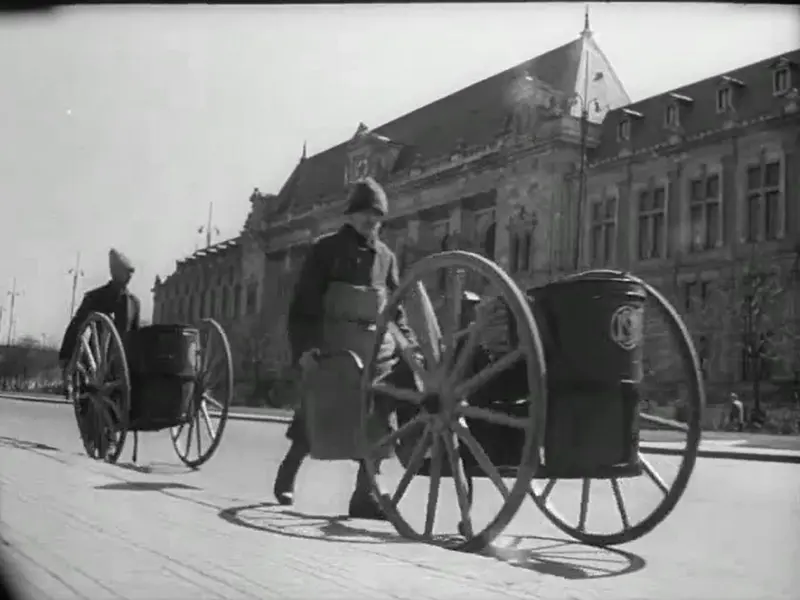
(759, 455)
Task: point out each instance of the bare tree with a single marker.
(751, 308)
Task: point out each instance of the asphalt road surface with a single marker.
(75, 528)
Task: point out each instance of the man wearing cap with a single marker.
(353, 257)
(112, 299)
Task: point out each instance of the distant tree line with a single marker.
(28, 364)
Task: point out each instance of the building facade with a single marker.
(682, 188)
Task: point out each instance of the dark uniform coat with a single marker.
(120, 305)
(346, 257)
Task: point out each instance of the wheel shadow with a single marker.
(273, 518)
(145, 486)
(562, 558)
(156, 468)
(548, 556)
(19, 444)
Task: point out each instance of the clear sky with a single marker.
(120, 125)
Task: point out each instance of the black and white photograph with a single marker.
(400, 301)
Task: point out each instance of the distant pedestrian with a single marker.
(736, 413)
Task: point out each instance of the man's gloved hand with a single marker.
(308, 359)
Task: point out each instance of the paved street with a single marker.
(75, 528)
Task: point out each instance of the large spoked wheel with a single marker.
(672, 376)
(440, 414)
(101, 388)
(197, 438)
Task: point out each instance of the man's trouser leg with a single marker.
(297, 453)
(363, 504)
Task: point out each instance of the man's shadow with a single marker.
(549, 556)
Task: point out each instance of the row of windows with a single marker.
(725, 101)
(202, 279)
(763, 218)
(224, 303)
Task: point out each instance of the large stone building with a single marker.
(679, 188)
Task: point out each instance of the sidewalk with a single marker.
(79, 529)
(715, 444)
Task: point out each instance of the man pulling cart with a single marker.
(343, 285)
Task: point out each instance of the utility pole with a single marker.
(76, 273)
(13, 294)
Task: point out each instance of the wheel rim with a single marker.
(666, 495)
(197, 438)
(101, 388)
(440, 420)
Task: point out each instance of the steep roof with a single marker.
(753, 99)
(474, 115)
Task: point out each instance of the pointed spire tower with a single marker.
(597, 85)
(304, 156)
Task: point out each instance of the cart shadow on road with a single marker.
(273, 518)
(19, 444)
(548, 556)
(564, 558)
(145, 486)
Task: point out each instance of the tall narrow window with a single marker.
(602, 231)
(652, 223)
(252, 298)
(705, 209)
(724, 99)
(764, 201)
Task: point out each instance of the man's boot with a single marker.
(363, 503)
(287, 473)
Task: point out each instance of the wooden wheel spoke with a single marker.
(468, 387)
(87, 353)
(623, 514)
(456, 469)
(584, 510)
(197, 433)
(94, 342)
(484, 462)
(211, 400)
(473, 334)
(187, 447)
(653, 475)
(407, 353)
(670, 423)
(432, 331)
(105, 344)
(492, 416)
(414, 465)
(454, 294)
(207, 420)
(546, 491)
(397, 393)
(392, 438)
(435, 485)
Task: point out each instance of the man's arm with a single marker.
(137, 314)
(306, 307)
(71, 334)
(392, 283)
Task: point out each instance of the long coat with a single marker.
(120, 305)
(344, 257)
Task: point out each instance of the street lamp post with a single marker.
(76, 274)
(585, 103)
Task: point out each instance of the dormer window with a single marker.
(725, 91)
(624, 130)
(724, 99)
(781, 76)
(672, 115)
(625, 124)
